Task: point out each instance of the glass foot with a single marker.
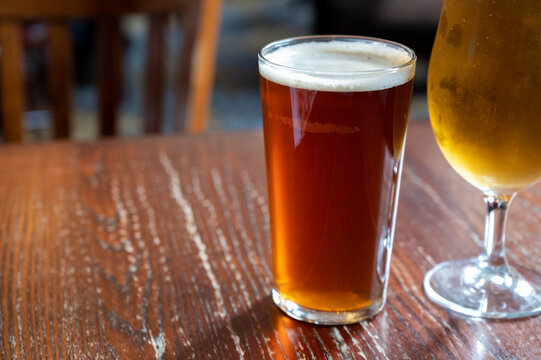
(473, 288)
(325, 317)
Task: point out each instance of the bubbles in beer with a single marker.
(338, 66)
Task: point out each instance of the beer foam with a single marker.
(338, 65)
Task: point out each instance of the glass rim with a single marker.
(326, 38)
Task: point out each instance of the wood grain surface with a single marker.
(158, 248)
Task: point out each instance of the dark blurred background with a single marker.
(247, 25)
(250, 24)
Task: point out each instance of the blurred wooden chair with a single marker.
(199, 19)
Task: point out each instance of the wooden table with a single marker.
(158, 248)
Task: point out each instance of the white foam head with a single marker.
(338, 65)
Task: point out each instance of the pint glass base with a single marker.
(325, 317)
(465, 287)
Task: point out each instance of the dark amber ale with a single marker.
(333, 162)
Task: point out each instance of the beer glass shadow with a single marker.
(237, 329)
(284, 337)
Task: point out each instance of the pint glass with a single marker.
(335, 111)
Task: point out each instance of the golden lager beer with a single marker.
(484, 91)
(484, 97)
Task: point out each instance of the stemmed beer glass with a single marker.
(484, 93)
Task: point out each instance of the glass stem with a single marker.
(494, 248)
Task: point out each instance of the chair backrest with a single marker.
(200, 22)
